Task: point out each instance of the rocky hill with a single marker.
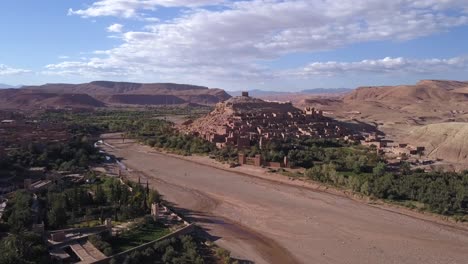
(245, 109)
(226, 111)
(238, 105)
(105, 93)
(445, 141)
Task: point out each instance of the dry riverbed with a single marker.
(269, 221)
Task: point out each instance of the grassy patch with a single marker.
(138, 236)
(91, 223)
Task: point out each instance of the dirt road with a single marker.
(268, 222)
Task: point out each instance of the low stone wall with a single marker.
(87, 230)
(183, 231)
(80, 230)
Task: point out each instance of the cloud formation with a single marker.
(6, 70)
(115, 28)
(232, 42)
(130, 8)
(386, 65)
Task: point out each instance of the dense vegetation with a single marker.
(150, 127)
(68, 204)
(307, 152)
(441, 192)
(23, 248)
(61, 206)
(130, 121)
(105, 198)
(19, 216)
(74, 155)
(20, 245)
(184, 249)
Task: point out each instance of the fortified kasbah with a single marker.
(244, 121)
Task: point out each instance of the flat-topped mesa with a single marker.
(244, 121)
(107, 93)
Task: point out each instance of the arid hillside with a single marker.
(434, 110)
(424, 91)
(104, 93)
(445, 141)
(429, 101)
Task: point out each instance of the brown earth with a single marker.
(398, 110)
(269, 221)
(426, 102)
(104, 93)
(445, 141)
(426, 91)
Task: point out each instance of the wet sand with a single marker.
(271, 222)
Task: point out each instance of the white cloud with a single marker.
(381, 66)
(116, 28)
(129, 8)
(233, 41)
(91, 68)
(6, 70)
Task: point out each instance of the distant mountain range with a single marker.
(327, 90)
(258, 92)
(105, 93)
(7, 86)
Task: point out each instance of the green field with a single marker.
(137, 237)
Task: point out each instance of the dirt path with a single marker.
(268, 222)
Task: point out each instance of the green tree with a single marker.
(153, 197)
(379, 169)
(57, 214)
(100, 196)
(23, 248)
(20, 216)
(405, 168)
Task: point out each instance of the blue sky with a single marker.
(253, 44)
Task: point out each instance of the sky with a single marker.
(281, 45)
